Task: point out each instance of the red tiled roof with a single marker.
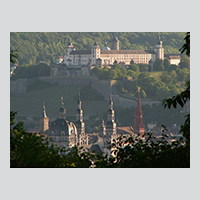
(126, 52)
(124, 130)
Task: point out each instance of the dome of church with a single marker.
(62, 127)
(105, 47)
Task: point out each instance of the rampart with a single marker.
(103, 87)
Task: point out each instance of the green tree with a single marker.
(166, 63)
(33, 150)
(182, 74)
(158, 65)
(185, 62)
(166, 78)
(163, 92)
(134, 67)
(144, 67)
(14, 56)
(113, 74)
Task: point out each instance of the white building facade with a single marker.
(109, 56)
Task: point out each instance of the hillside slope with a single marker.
(47, 46)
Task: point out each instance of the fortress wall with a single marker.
(67, 80)
(19, 86)
(123, 102)
(101, 86)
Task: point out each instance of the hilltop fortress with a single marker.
(107, 56)
(76, 65)
(79, 62)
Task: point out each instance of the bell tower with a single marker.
(95, 52)
(111, 125)
(44, 120)
(138, 118)
(159, 50)
(62, 110)
(115, 43)
(67, 59)
(80, 125)
(102, 128)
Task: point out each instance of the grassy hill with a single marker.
(30, 104)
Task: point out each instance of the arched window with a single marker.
(62, 132)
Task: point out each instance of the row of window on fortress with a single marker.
(118, 55)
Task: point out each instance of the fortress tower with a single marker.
(115, 43)
(95, 52)
(138, 118)
(159, 50)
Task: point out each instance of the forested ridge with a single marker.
(34, 47)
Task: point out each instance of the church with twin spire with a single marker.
(68, 134)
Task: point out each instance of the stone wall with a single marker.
(101, 86)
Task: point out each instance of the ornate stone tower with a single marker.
(111, 125)
(159, 50)
(80, 125)
(95, 52)
(138, 118)
(102, 128)
(62, 110)
(115, 43)
(44, 120)
(67, 58)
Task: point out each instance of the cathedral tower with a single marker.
(62, 110)
(138, 118)
(111, 125)
(80, 125)
(44, 120)
(102, 128)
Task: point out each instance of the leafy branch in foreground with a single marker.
(33, 150)
(181, 98)
(14, 56)
(186, 46)
(151, 152)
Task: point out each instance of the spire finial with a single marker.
(95, 43)
(79, 92)
(159, 37)
(44, 115)
(62, 103)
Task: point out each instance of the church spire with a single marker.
(62, 110)
(138, 118)
(110, 101)
(111, 125)
(102, 128)
(44, 115)
(79, 111)
(80, 125)
(44, 120)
